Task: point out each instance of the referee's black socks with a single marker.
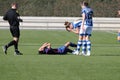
(16, 45)
(13, 42)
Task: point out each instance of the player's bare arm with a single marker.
(48, 45)
(76, 31)
(83, 20)
(42, 47)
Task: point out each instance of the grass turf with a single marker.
(103, 64)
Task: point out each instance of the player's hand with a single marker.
(83, 28)
(68, 29)
(20, 20)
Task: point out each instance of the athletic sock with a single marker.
(88, 46)
(16, 46)
(79, 45)
(10, 43)
(69, 50)
(84, 45)
(72, 44)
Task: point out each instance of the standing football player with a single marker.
(85, 30)
(119, 12)
(13, 18)
(75, 28)
(118, 36)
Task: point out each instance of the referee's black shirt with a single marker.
(12, 17)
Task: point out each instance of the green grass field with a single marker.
(103, 64)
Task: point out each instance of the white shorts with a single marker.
(87, 31)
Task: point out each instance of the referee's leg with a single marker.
(16, 36)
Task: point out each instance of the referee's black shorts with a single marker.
(15, 31)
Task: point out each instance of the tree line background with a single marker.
(63, 8)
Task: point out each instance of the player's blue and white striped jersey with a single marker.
(119, 34)
(88, 16)
(76, 24)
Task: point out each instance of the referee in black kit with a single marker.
(13, 18)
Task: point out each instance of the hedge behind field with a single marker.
(68, 8)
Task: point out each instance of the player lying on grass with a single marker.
(47, 49)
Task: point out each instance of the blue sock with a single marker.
(79, 45)
(88, 46)
(72, 44)
(84, 45)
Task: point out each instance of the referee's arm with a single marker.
(5, 17)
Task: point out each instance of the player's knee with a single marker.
(67, 42)
(81, 37)
(15, 39)
(87, 38)
(49, 44)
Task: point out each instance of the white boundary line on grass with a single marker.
(95, 45)
(111, 32)
(29, 44)
(58, 45)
